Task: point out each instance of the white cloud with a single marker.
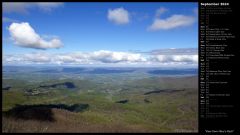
(48, 6)
(6, 19)
(160, 11)
(115, 57)
(97, 57)
(24, 35)
(172, 22)
(175, 51)
(104, 57)
(18, 7)
(37, 57)
(23, 7)
(118, 16)
(176, 58)
(24, 58)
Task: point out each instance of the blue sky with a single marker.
(87, 27)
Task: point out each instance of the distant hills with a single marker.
(102, 70)
(174, 72)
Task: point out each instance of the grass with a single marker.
(11, 98)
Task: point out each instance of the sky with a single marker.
(106, 34)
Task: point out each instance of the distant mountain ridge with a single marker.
(104, 70)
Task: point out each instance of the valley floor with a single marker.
(165, 112)
(143, 105)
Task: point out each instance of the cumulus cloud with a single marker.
(105, 57)
(30, 58)
(23, 7)
(24, 35)
(97, 57)
(175, 55)
(176, 58)
(102, 56)
(175, 51)
(118, 16)
(174, 21)
(115, 57)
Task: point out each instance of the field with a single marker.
(50, 99)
